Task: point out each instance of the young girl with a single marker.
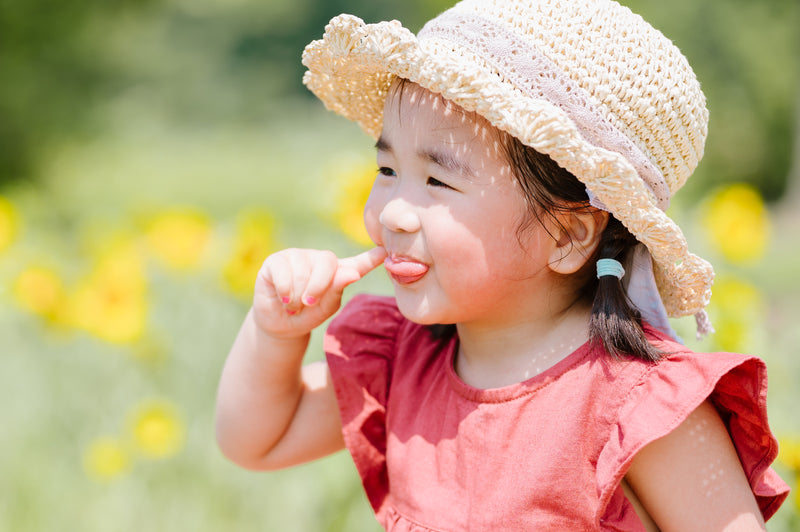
(524, 376)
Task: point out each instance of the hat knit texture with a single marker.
(587, 82)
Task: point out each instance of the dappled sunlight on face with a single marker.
(471, 144)
(446, 196)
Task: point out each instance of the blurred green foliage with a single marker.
(50, 75)
(199, 60)
(62, 62)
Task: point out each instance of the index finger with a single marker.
(351, 269)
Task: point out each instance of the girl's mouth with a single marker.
(404, 270)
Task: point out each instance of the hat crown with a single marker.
(635, 77)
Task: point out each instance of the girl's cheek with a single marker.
(372, 212)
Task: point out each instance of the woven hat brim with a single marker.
(351, 70)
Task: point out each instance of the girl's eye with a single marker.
(433, 182)
(385, 171)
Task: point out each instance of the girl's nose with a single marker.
(399, 216)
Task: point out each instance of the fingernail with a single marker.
(286, 300)
(292, 312)
(309, 300)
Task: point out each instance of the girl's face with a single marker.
(447, 209)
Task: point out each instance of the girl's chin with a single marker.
(415, 309)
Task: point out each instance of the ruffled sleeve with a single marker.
(667, 392)
(359, 347)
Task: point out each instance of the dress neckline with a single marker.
(511, 391)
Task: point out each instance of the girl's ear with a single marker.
(577, 236)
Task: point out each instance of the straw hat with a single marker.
(587, 82)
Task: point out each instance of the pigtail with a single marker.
(615, 322)
(548, 188)
(441, 331)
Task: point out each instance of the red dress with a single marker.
(546, 454)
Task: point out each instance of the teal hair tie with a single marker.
(610, 267)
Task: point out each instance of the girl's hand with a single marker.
(298, 289)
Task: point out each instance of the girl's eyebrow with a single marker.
(448, 161)
(444, 159)
(383, 144)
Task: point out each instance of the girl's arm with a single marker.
(271, 411)
(691, 479)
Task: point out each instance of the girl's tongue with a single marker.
(405, 271)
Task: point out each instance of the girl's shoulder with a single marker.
(660, 396)
(684, 378)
